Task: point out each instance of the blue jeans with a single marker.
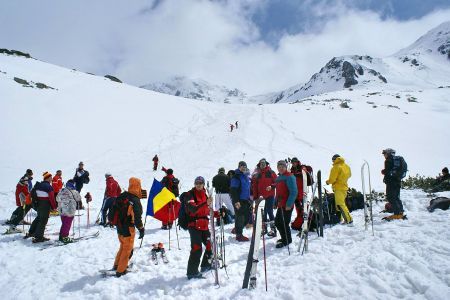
(107, 203)
(268, 209)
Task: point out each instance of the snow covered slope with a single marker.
(424, 64)
(197, 89)
(118, 128)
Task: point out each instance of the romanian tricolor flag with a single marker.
(162, 203)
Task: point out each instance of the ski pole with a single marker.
(168, 224)
(88, 216)
(264, 254)
(145, 222)
(174, 222)
(285, 230)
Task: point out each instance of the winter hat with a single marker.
(107, 174)
(335, 156)
(58, 171)
(242, 164)
(295, 159)
(282, 163)
(81, 163)
(169, 172)
(445, 170)
(29, 172)
(199, 179)
(222, 170)
(134, 187)
(46, 175)
(388, 151)
(70, 184)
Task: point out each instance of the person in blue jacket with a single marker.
(240, 195)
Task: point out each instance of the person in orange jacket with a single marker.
(126, 227)
(23, 202)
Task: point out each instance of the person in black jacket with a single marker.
(221, 183)
(81, 177)
(126, 227)
(393, 184)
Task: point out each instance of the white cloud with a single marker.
(215, 41)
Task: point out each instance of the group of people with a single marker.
(282, 190)
(46, 197)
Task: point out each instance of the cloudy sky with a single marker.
(258, 46)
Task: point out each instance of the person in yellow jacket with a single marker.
(339, 175)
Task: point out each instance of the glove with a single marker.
(141, 233)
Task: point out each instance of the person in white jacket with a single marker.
(67, 205)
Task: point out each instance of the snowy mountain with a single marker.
(197, 89)
(51, 118)
(424, 64)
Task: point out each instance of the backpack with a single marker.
(183, 216)
(118, 213)
(175, 188)
(400, 167)
(34, 197)
(86, 177)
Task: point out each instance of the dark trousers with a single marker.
(107, 203)
(37, 228)
(199, 237)
(268, 209)
(19, 214)
(241, 216)
(393, 197)
(283, 227)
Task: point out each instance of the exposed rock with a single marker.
(348, 72)
(15, 52)
(21, 81)
(112, 78)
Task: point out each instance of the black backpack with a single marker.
(183, 215)
(400, 167)
(34, 197)
(175, 188)
(118, 213)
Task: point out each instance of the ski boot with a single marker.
(28, 235)
(198, 275)
(66, 240)
(12, 229)
(40, 240)
(273, 230)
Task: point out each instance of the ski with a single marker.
(214, 262)
(252, 259)
(319, 187)
(164, 256)
(154, 255)
(368, 201)
(58, 243)
(306, 209)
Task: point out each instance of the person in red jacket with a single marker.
(296, 170)
(198, 208)
(112, 191)
(57, 182)
(23, 202)
(46, 200)
(263, 177)
(155, 162)
(171, 183)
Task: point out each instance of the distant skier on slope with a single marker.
(155, 162)
(339, 175)
(236, 124)
(286, 188)
(198, 210)
(23, 201)
(231, 127)
(392, 179)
